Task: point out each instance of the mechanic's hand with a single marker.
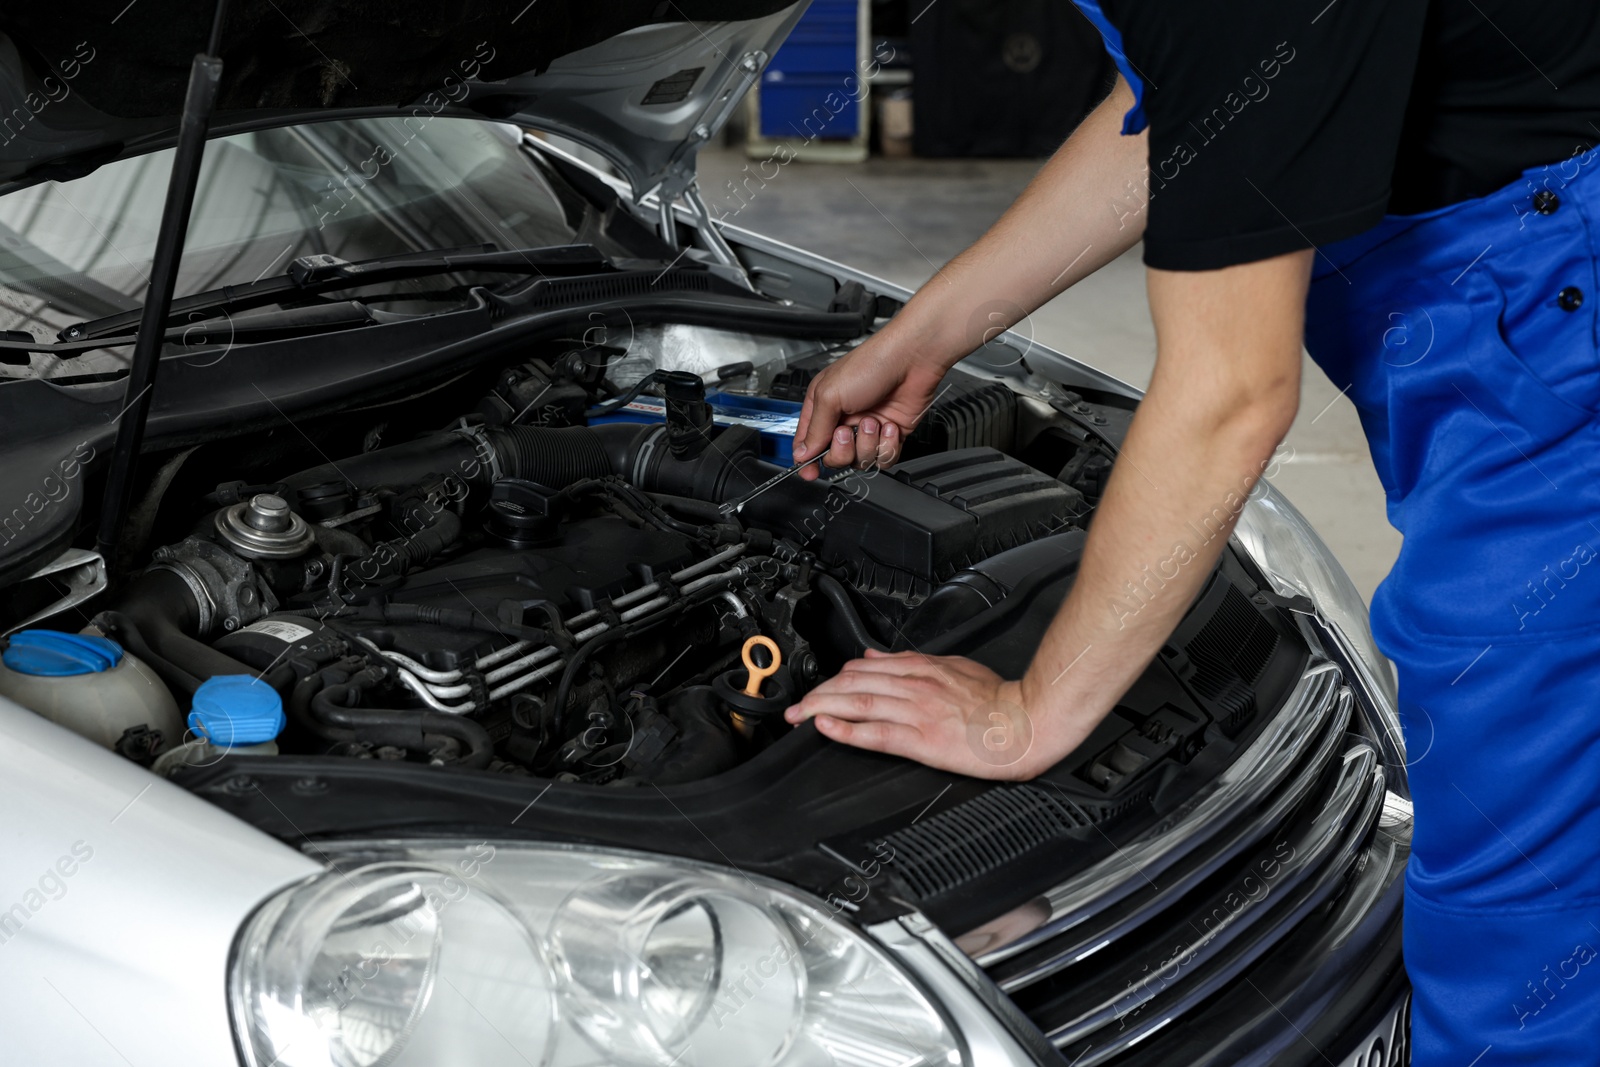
(944, 711)
(864, 405)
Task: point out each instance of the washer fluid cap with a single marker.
(54, 654)
(236, 709)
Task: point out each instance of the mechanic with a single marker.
(1411, 190)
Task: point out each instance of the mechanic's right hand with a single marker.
(863, 406)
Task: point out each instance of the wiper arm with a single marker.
(314, 274)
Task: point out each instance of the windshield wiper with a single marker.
(314, 274)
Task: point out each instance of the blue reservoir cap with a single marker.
(53, 654)
(236, 709)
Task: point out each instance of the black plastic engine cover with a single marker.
(930, 517)
(590, 560)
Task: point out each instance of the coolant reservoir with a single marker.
(90, 685)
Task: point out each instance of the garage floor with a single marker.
(901, 219)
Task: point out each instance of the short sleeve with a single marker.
(1274, 124)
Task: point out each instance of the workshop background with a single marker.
(889, 134)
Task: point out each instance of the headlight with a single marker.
(512, 954)
(1297, 562)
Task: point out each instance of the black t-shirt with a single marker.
(1279, 125)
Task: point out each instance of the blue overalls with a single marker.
(1467, 339)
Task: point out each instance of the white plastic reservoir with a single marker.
(90, 685)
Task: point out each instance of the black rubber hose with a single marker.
(338, 542)
(702, 511)
(580, 657)
(299, 709)
(155, 616)
(627, 629)
(554, 457)
(406, 729)
(391, 559)
(128, 635)
(402, 464)
(640, 504)
(839, 597)
(626, 398)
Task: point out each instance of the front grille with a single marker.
(1132, 945)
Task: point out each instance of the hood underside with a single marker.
(644, 82)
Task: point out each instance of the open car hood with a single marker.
(643, 82)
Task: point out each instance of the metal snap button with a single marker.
(1570, 298)
(1545, 202)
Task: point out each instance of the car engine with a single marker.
(557, 582)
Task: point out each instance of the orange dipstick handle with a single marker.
(760, 674)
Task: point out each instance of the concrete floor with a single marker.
(901, 219)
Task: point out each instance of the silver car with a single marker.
(396, 654)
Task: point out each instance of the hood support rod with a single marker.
(204, 76)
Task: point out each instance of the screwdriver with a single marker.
(734, 506)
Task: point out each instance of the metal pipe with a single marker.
(709, 562)
(643, 609)
(664, 220)
(413, 683)
(509, 670)
(501, 655)
(711, 237)
(639, 611)
(513, 668)
(645, 590)
(739, 610)
(708, 581)
(427, 675)
(526, 680)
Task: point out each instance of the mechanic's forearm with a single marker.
(1225, 390)
(1084, 208)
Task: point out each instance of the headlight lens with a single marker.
(517, 955)
(1297, 562)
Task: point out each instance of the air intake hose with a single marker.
(156, 616)
(552, 457)
(559, 457)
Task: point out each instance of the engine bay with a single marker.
(552, 581)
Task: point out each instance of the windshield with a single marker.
(357, 189)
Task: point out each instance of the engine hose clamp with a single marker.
(483, 446)
(608, 613)
(647, 452)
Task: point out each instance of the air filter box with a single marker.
(927, 518)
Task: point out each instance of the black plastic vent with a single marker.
(555, 292)
(946, 850)
(1229, 654)
(966, 415)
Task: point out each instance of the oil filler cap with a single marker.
(54, 654)
(236, 709)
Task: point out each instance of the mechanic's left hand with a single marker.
(945, 711)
